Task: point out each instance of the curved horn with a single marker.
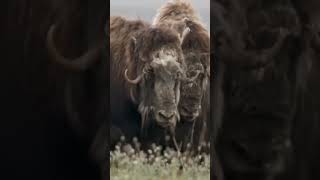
(184, 35)
(81, 63)
(134, 81)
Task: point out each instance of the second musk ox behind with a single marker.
(146, 69)
(194, 102)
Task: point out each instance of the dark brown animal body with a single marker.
(147, 106)
(261, 79)
(39, 140)
(194, 103)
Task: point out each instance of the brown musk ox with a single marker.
(76, 45)
(146, 69)
(194, 102)
(33, 94)
(261, 79)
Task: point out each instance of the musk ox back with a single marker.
(147, 66)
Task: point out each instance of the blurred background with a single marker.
(146, 9)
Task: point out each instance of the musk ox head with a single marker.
(193, 91)
(260, 100)
(176, 10)
(155, 72)
(178, 14)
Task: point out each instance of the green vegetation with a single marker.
(127, 163)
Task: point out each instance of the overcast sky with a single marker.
(146, 9)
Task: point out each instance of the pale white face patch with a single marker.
(165, 56)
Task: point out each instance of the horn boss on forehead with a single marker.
(157, 38)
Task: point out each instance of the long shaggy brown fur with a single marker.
(177, 11)
(131, 45)
(125, 54)
(174, 14)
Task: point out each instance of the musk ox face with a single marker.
(161, 87)
(192, 92)
(179, 15)
(260, 102)
(159, 60)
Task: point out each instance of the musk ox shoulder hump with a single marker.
(175, 9)
(119, 24)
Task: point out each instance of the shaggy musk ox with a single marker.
(84, 87)
(146, 69)
(87, 122)
(34, 96)
(194, 102)
(261, 79)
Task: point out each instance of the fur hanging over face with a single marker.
(179, 15)
(132, 44)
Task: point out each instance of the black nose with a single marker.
(166, 114)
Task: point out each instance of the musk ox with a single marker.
(51, 148)
(194, 102)
(261, 81)
(146, 69)
(84, 88)
(85, 98)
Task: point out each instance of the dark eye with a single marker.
(157, 55)
(147, 70)
(179, 75)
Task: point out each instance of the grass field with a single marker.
(127, 163)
